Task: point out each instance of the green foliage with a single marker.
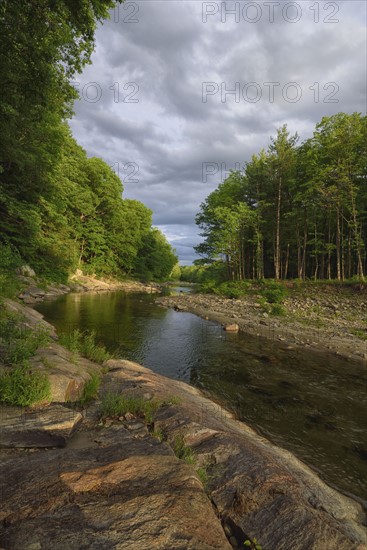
(9, 261)
(90, 390)
(273, 292)
(173, 400)
(202, 472)
(191, 273)
(277, 309)
(155, 259)
(21, 387)
(54, 40)
(175, 274)
(115, 405)
(59, 209)
(84, 343)
(183, 451)
(253, 544)
(208, 287)
(214, 273)
(234, 289)
(159, 434)
(359, 333)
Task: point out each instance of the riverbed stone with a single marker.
(231, 327)
(312, 318)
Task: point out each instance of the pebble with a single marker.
(233, 542)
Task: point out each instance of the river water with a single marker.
(314, 405)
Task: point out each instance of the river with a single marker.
(313, 405)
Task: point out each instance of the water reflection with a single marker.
(313, 405)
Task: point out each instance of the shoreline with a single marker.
(325, 333)
(32, 294)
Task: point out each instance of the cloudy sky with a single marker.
(156, 102)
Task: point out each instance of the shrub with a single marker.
(208, 287)
(22, 387)
(277, 309)
(273, 292)
(159, 434)
(203, 475)
(234, 289)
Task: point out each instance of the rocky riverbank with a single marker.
(33, 292)
(324, 320)
(188, 477)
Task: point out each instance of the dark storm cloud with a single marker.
(142, 98)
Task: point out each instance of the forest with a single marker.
(295, 210)
(59, 209)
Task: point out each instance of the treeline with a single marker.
(295, 211)
(60, 210)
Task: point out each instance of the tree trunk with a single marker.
(277, 237)
(286, 263)
(338, 270)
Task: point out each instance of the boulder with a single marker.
(67, 373)
(26, 271)
(232, 327)
(47, 427)
(32, 295)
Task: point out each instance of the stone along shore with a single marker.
(322, 322)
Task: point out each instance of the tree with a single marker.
(281, 162)
(155, 259)
(52, 42)
(304, 208)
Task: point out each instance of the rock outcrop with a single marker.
(259, 490)
(30, 318)
(119, 484)
(67, 372)
(116, 491)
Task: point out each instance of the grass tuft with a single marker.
(85, 344)
(183, 451)
(90, 390)
(21, 387)
(115, 405)
(18, 342)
